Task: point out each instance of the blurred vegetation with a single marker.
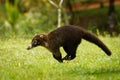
(96, 19)
(15, 20)
(26, 17)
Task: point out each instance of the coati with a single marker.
(68, 37)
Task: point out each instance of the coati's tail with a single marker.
(92, 38)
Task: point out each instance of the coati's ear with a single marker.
(43, 36)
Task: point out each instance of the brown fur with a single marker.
(68, 37)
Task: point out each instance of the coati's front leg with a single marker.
(57, 55)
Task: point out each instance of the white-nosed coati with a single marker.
(68, 37)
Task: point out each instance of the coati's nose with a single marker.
(29, 47)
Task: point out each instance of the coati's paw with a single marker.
(67, 58)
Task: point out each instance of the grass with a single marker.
(91, 63)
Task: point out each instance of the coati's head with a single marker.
(37, 41)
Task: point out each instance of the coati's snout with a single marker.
(33, 44)
(29, 47)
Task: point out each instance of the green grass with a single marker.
(91, 63)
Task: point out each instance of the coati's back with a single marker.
(67, 32)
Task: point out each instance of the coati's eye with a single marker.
(35, 43)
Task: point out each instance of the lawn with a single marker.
(91, 63)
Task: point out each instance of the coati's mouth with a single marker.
(29, 47)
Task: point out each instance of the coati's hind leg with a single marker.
(71, 51)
